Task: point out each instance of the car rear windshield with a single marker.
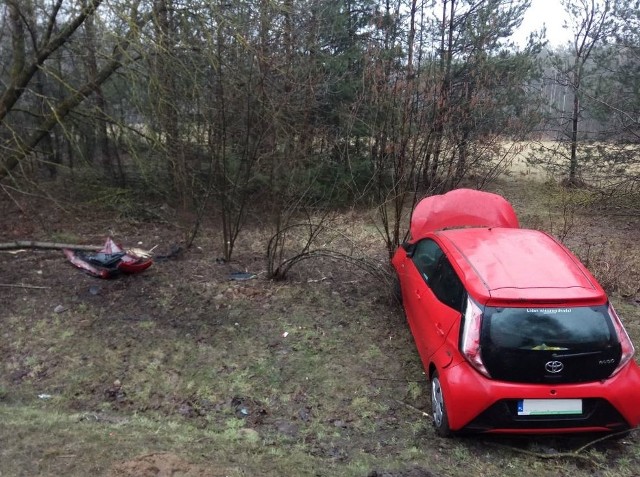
(547, 328)
(549, 345)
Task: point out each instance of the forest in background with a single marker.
(278, 107)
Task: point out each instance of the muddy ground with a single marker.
(185, 371)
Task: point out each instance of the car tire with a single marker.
(439, 408)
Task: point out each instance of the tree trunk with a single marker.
(167, 97)
(100, 127)
(21, 76)
(573, 161)
(24, 147)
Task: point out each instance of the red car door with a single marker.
(449, 298)
(417, 300)
(424, 273)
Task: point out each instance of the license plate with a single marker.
(549, 407)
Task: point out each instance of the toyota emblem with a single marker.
(554, 366)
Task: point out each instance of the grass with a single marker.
(180, 361)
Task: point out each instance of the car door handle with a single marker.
(418, 294)
(439, 329)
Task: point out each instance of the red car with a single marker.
(515, 334)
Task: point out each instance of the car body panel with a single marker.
(501, 265)
(546, 272)
(461, 208)
(429, 331)
(469, 394)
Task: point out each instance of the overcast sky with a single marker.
(548, 12)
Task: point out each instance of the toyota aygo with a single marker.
(515, 334)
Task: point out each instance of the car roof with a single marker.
(509, 265)
(461, 208)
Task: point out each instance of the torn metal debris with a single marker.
(110, 261)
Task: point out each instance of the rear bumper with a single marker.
(478, 404)
(597, 415)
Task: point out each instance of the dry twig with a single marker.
(21, 285)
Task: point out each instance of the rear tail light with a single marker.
(625, 343)
(471, 336)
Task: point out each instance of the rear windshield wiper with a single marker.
(573, 355)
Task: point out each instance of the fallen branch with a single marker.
(575, 454)
(10, 285)
(47, 245)
(558, 455)
(18, 244)
(424, 414)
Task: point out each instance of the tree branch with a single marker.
(47, 245)
(24, 148)
(22, 79)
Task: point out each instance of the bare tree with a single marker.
(18, 143)
(455, 108)
(590, 29)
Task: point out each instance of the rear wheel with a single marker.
(439, 409)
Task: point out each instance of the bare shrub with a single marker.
(320, 239)
(614, 266)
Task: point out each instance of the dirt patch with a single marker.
(164, 465)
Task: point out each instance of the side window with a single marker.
(426, 256)
(446, 285)
(437, 271)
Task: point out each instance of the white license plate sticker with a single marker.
(542, 407)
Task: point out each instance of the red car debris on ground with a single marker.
(515, 334)
(110, 261)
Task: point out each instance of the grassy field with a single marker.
(182, 371)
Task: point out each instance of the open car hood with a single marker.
(461, 208)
